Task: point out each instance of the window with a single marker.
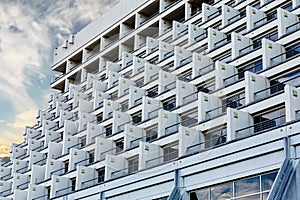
(151, 133)
(119, 145)
(128, 74)
(73, 184)
(114, 95)
(133, 164)
(252, 188)
(99, 118)
(170, 104)
(66, 163)
(137, 117)
(108, 130)
(100, 175)
(152, 92)
(186, 76)
(124, 106)
(83, 141)
(170, 152)
(91, 156)
(139, 82)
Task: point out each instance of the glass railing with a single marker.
(291, 53)
(162, 159)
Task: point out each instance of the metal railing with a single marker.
(40, 162)
(291, 53)
(261, 126)
(214, 14)
(64, 191)
(251, 47)
(111, 151)
(222, 42)
(22, 169)
(222, 109)
(23, 186)
(59, 171)
(6, 192)
(292, 27)
(276, 88)
(265, 20)
(189, 98)
(93, 181)
(235, 18)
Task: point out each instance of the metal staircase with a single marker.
(283, 180)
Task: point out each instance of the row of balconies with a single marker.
(254, 18)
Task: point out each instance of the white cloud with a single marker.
(28, 30)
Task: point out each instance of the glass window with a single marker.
(137, 117)
(133, 164)
(202, 194)
(221, 192)
(247, 186)
(170, 104)
(151, 134)
(267, 181)
(119, 145)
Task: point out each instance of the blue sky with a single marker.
(29, 32)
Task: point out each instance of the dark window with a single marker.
(91, 157)
(170, 104)
(66, 163)
(293, 50)
(151, 134)
(99, 117)
(73, 184)
(124, 106)
(233, 101)
(139, 82)
(119, 145)
(137, 117)
(189, 118)
(153, 92)
(253, 67)
(83, 141)
(101, 174)
(133, 165)
(108, 130)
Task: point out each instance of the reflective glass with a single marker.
(200, 195)
(221, 192)
(267, 181)
(247, 186)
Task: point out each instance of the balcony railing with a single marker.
(6, 192)
(93, 181)
(260, 127)
(23, 186)
(125, 171)
(222, 109)
(214, 142)
(43, 197)
(162, 159)
(251, 47)
(265, 20)
(190, 98)
(290, 54)
(235, 18)
(277, 88)
(64, 191)
(293, 27)
(22, 170)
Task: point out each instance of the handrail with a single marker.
(292, 25)
(261, 123)
(268, 18)
(258, 43)
(276, 85)
(284, 53)
(97, 178)
(226, 105)
(214, 13)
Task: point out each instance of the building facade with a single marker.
(169, 99)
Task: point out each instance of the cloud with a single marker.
(29, 32)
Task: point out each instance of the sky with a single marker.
(30, 30)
